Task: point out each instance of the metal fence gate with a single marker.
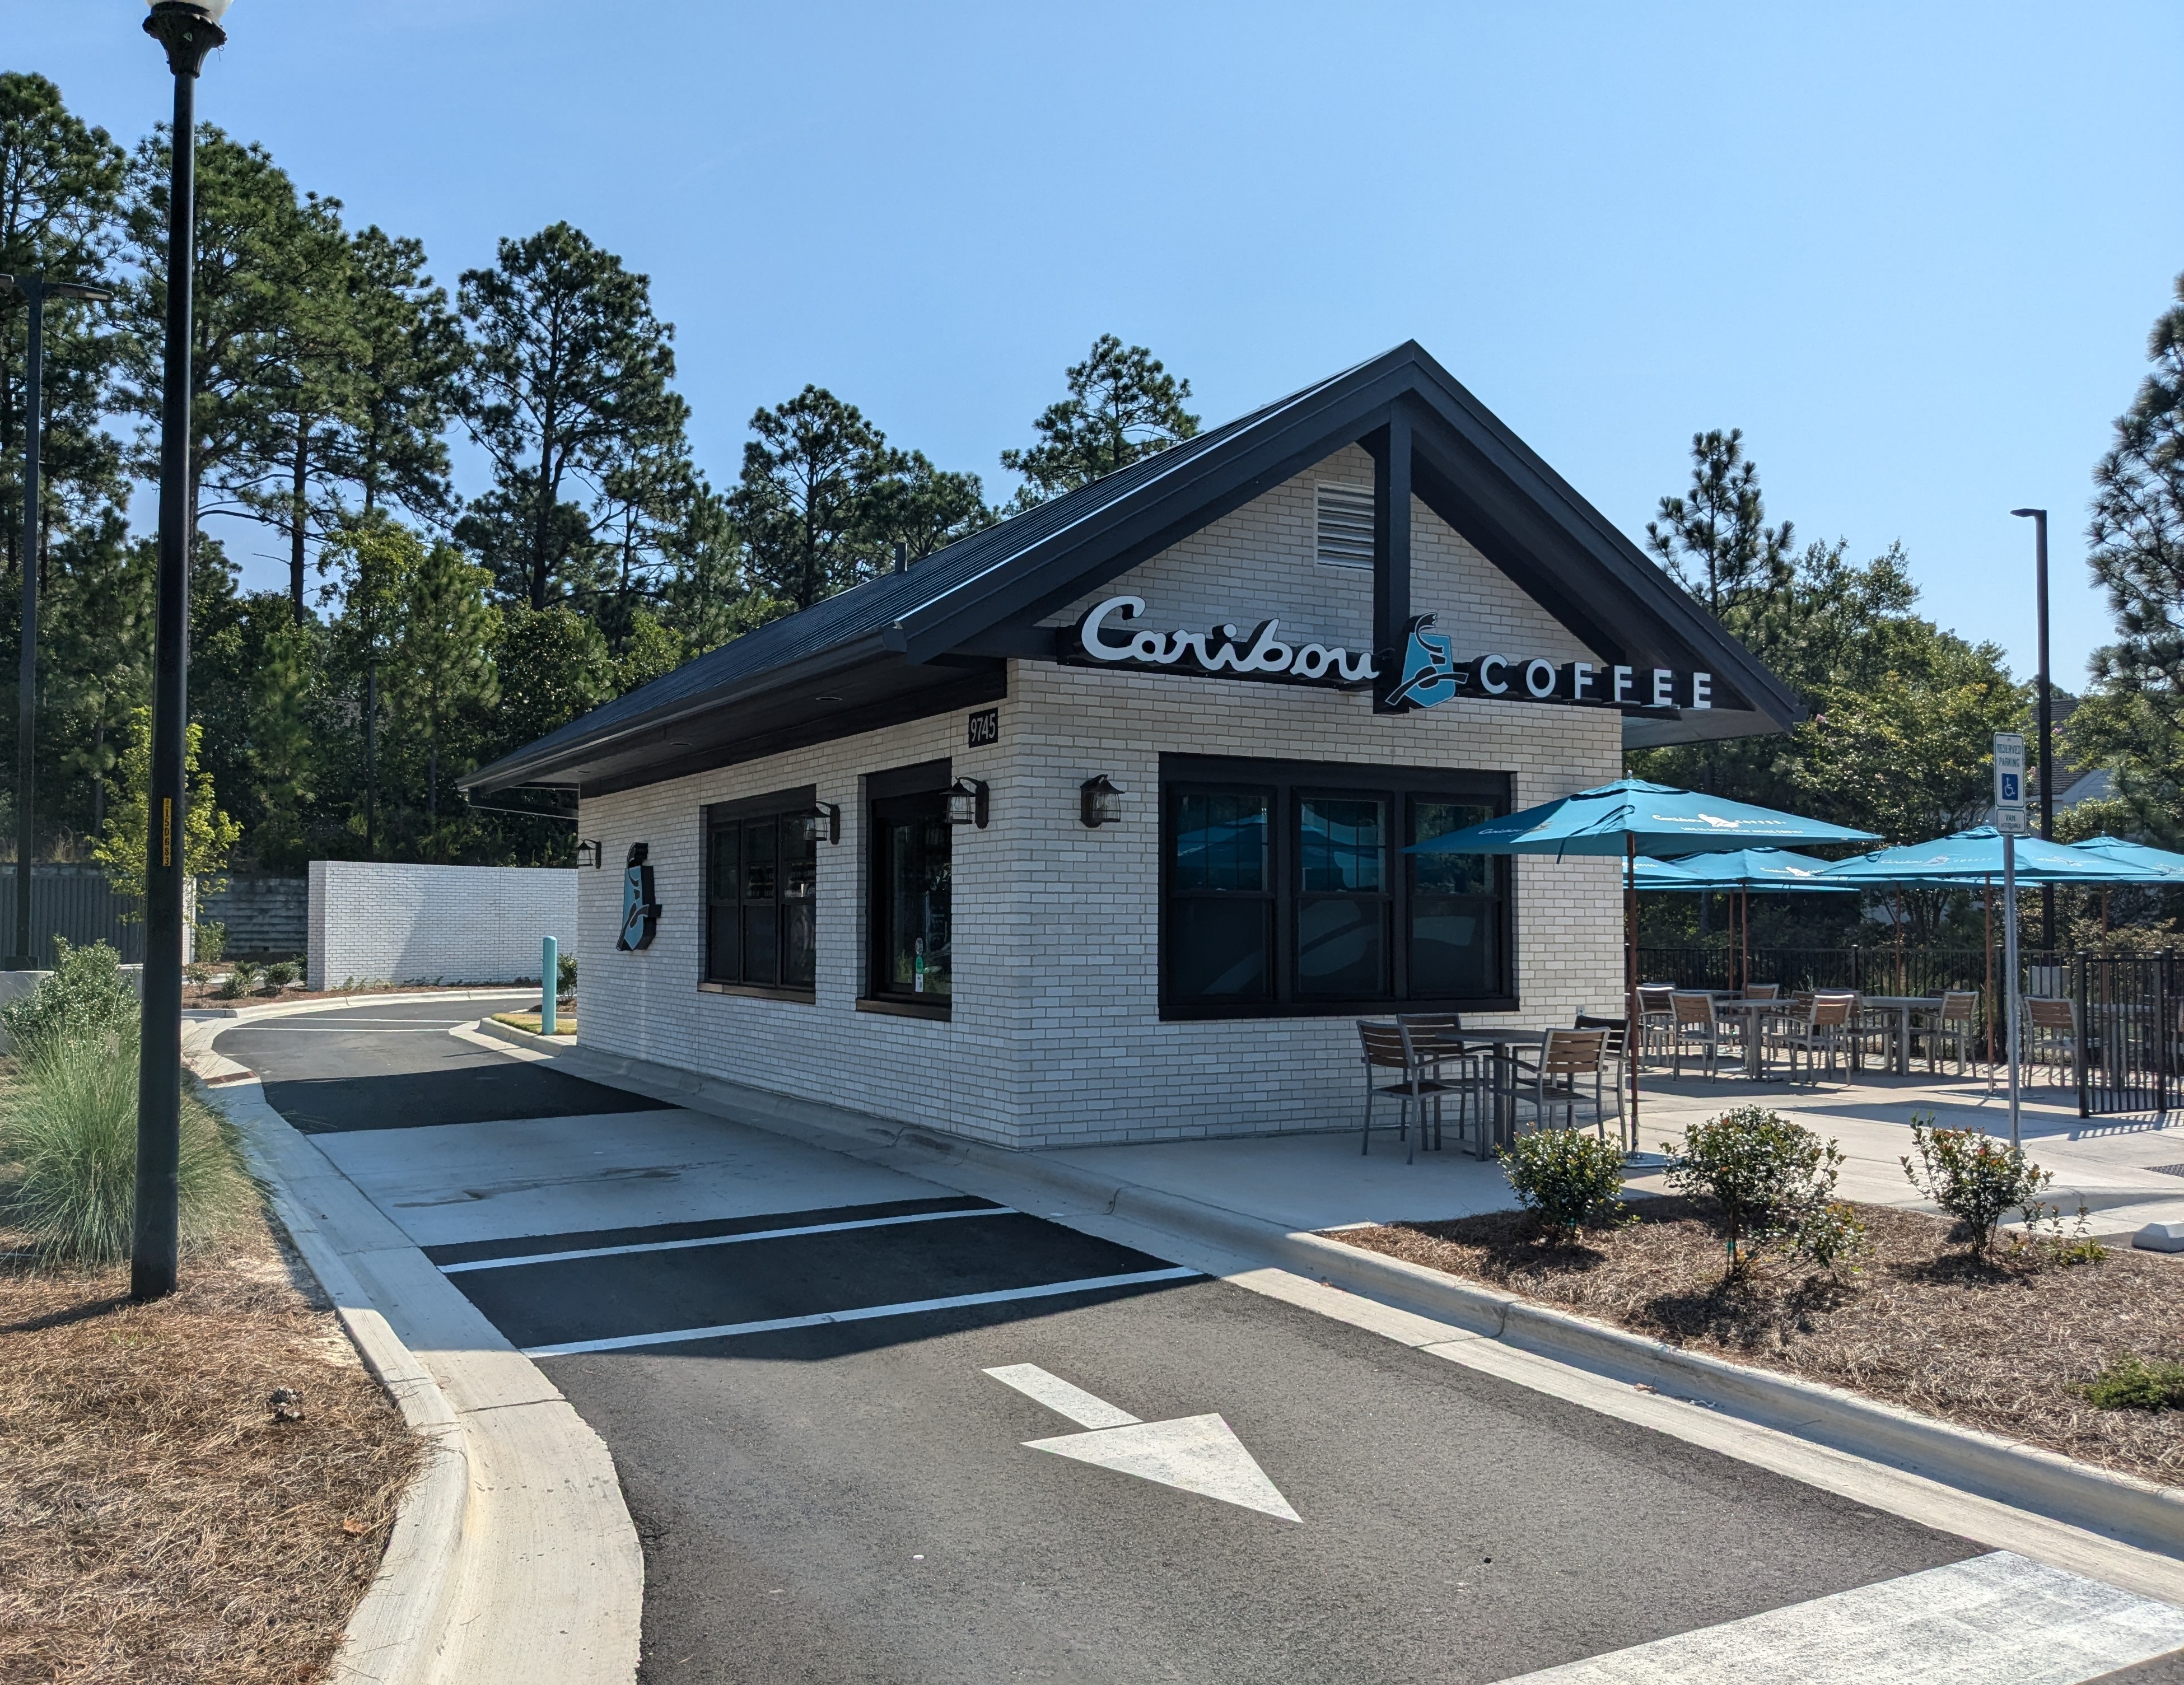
(2125, 1032)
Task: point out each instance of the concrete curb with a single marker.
(2118, 1506)
(513, 1558)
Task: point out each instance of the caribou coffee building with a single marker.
(1090, 826)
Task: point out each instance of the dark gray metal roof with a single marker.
(956, 614)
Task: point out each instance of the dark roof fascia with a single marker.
(533, 763)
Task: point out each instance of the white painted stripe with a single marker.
(1996, 1616)
(357, 1026)
(722, 1240)
(866, 1313)
(1061, 1398)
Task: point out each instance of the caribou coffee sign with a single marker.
(1428, 672)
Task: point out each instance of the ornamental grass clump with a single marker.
(1975, 1178)
(1769, 1180)
(1567, 1180)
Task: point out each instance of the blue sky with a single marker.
(1914, 252)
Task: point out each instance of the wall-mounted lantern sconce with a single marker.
(593, 846)
(825, 818)
(967, 803)
(1102, 799)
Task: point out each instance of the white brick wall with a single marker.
(1056, 1038)
(374, 922)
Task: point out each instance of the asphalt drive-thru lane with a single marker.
(419, 1076)
(1170, 1478)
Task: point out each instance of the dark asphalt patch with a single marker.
(471, 1252)
(660, 1293)
(394, 1080)
(2167, 1670)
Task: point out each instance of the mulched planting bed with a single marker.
(2002, 1346)
(159, 1519)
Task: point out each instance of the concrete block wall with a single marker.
(371, 922)
(264, 917)
(1056, 1039)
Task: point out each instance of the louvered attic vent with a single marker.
(1346, 525)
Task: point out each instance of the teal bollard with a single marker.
(549, 978)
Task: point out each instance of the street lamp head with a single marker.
(188, 29)
(2033, 514)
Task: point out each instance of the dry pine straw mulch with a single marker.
(2001, 1347)
(159, 1521)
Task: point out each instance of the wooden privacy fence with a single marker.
(76, 903)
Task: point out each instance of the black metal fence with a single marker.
(2125, 1032)
(1876, 969)
(74, 902)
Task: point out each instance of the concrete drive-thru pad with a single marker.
(513, 1560)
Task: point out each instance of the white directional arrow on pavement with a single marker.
(1195, 1453)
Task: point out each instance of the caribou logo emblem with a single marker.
(640, 913)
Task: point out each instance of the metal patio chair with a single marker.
(2052, 1035)
(1566, 1057)
(1657, 1018)
(1957, 1026)
(1387, 1048)
(1616, 1051)
(1763, 991)
(1696, 1021)
(1822, 1030)
(1437, 1044)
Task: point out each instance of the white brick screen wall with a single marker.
(1056, 1038)
(371, 922)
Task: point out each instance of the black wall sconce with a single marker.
(597, 849)
(826, 816)
(967, 802)
(1102, 800)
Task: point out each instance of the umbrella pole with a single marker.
(1990, 981)
(1744, 939)
(1631, 1039)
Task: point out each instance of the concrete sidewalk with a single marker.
(1321, 1181)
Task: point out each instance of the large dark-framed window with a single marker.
(1285, 891)
(910, 892)
(762, 894)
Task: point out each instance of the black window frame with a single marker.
(923, 786)
(795, 832)
(1287, 786)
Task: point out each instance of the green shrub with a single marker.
(1829, 1233)
(1974, 1177)
(241, 980)
(282, 972)
(2133, 1383)
(68, 1153)
(211, 941)
(565, 974)
(1565, 1178)
(86, 997)
(1764, 1172)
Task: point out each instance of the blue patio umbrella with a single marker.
(1664, 874)
(2133, 854)
(1769, 869)
(1973, 856)
(1630, 818)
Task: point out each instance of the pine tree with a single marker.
(1122, 405)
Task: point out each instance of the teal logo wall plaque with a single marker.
(640, 913)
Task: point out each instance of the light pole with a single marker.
(35, 290)
(188, 29)
(2039, 519)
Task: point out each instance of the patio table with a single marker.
(1754, 1014)
(1501, 1044)
(1902, 1006)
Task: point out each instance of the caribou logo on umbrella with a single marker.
(640, 913)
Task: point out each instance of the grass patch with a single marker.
(160, 1519)
(2013, 1342)
(565, 1023)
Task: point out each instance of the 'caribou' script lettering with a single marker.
(1104, 635)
